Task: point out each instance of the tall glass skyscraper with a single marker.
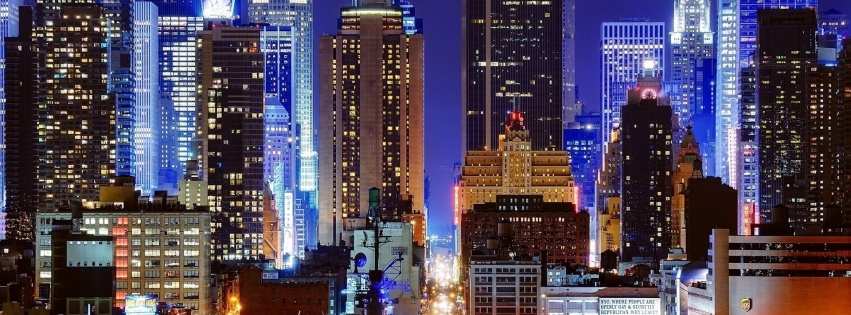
(122, 80)
(627, 47)
(178, 23)
(737, 23)
(148, 122)
(298, 15)
(692, 41)
(8, 28)
(276, 44)
(502, 71)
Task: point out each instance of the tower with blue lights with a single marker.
(178, 23)
(148, 122)
(298, 16)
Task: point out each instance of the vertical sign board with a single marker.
(630, 306)
(138, 304)
(289, 224)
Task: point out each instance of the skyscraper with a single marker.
(626, 47)
(122, 81)
(580, 142)
(646, 178)
(512, 54)
(76, 108)
(692, 41)
(737, 24)
(231, 99)
(276, 45)
(298, 15)
(178, 23)
(148, 122)
(786, 46)
(747, 166)
(22, 112)
(569, 57)
(9, 24)
(371, 127)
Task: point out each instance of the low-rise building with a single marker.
(778, 274)
(499, 286)
(160, 248)
(552, 227)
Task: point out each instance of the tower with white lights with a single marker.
(692, 41)
(626, 46)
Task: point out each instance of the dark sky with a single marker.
(442, 24)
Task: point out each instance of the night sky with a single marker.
(442, 31)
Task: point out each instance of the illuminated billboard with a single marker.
(630, 306)
(137, 304)
(218, 9)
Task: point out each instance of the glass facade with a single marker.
(147, 112)
(298, 15)
(736, 43)
(692, 41)
(625, 47)
(502, 70)
(178, 23)
(230, 79)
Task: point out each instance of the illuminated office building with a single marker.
(787, 46)
(9, 24)
(178, 23)
(122, 80)
(76, 108)
(580, 141)
(626, 45)
(159, 249)
(231, 100)
(279, 159)
(569, 58)
(371, 127)
(512, 54)
(298, 16)
(531, 217)
(737, 26)
(21, 168)
(148, 122)
(514, 169)
(692, 41)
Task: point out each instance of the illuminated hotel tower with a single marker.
(737, 24)
(371, 122)
(512, 54)
(691, 43)
(231, 99)
(76, 109)
(626, 45)
(178, 23)
(298, 15)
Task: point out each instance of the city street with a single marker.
(444, 293)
